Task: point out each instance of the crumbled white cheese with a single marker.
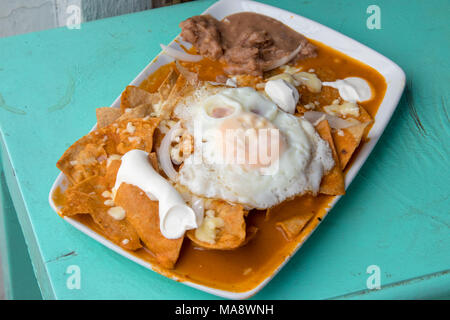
(310, 106)
(289, 69)
(133, 139)
(231, 82)
(207, 232)
(106, 194)
(111, 158)
(260, 86)
(118, 213)
(345, 109)
(125, 242)
(157, 108)
(175, 155)
(109, 203)
(130, 128)
(210, 213)
(165, 125)
(286, 77)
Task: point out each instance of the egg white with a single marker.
(299, 169)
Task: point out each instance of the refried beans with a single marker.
(248, 43)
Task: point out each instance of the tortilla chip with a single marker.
(130, 134)
(300, 110)
(106, 116)
(347, 140)
(232, 235)
(133, 96)
(364, 116)
(166, 86)
(172, 99)
(140, 111)
(333, 183)
(111, 172)
(84, 159)
(293, 226)
(191, 77)
(143, 214)
(87, 156)
(181, 88)
(76, 202)
(153, 158)
(86, 198)
(250, 234)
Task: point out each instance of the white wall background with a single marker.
(22, 16)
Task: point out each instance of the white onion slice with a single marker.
(214, 83)
(164, 153)
(180, 55)
(229, 83)
(283, 60)
(334, 122)
(198, 205)
(191, 77)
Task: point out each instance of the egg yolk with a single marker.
(250, 140)
(220, 112)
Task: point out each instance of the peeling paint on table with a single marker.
(66, 98)
(9, 108)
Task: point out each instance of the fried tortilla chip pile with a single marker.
(91, 165)
(92, 162)
(129, 218)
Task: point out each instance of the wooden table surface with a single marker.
(395, 214)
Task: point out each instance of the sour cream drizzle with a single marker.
(175, 217)
(352, 89)
(284, 94)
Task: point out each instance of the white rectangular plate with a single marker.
(394, 76)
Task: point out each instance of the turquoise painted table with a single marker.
(395, 214)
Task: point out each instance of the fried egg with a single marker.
(247, 150)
